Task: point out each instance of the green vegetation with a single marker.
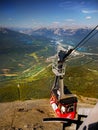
(21, 89)
(8, 91)
(80, 80)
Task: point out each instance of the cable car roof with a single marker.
(68, 99)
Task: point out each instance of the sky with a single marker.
(48, 13)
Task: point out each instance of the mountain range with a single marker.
(53, 32)
(69, 36)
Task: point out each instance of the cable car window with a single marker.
(70, 108)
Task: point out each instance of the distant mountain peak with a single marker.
(3, 30)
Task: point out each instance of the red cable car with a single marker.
(63, 102)
(64, 107)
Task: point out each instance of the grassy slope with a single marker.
(82, 81)
(39, 87)
(78, 79)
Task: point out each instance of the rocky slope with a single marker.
(28, 115)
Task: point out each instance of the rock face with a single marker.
(24, 115)
(91, 122)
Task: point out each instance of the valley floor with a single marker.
(28, 115)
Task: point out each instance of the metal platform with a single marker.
(65, 122)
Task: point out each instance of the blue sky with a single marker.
(48, 13)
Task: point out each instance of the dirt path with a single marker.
(28, 115)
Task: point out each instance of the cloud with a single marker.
(65, 4)
(89, 11)
(70, 4)
(70, 20)
(56, 22)
(88, 17)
